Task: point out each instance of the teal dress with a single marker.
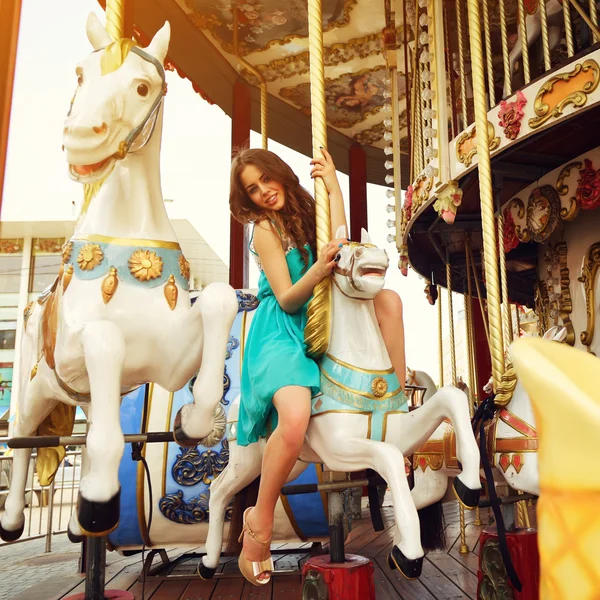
(274, 356)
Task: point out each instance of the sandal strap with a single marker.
(246, 529)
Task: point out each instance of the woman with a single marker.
(276, 373)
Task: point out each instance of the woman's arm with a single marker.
(291, 297)
(325, 168)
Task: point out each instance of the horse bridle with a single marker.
(126, 144)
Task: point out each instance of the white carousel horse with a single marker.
(360, 418)
(421, 379)
(119, 313)
(533, 23)
(512, 447)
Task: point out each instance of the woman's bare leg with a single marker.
(388, 308)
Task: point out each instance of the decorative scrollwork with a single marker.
(226, 386)
(550, 103)
(466, 144)
(541, 304)
(543, 211)
(566, 304)
(176, 509)
(192, 467)
(246, 302)
(216, 435)
(494, 584)
(232, 344)
(567, 214)
(589, 270)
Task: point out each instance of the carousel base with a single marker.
(351, 580)
(108, 595)
(491, 575)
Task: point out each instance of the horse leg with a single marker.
(99, 491)
(352, 454)
(417, 426)
(430, 487)
(243, 468)
(74, 532)
(218, 305)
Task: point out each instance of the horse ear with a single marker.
(96, 34)
(341, 232)
(365, 238)
(159, 45)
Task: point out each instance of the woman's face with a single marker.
(261, 189)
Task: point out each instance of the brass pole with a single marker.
(505, 54)
(488, 53)
(518, 319)
(396, 149)
(451, 321)
(487, 198)
(440, 336)
(594, 17)
(263, 82)
(461, 64)
(115, 18)
(587, 19)
(545, 39)
(318, 326)
(479, 296)
(524, 46)
(464, 549)
(506, 316)
(568, 27)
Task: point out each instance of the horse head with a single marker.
(361, 268)
(120, 88)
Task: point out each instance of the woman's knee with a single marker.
(293, 413)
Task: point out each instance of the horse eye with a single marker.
(142, 90)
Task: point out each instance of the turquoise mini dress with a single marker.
(274, 355)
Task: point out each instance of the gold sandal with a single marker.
(252, 569)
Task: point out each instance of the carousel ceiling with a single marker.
(273, 38)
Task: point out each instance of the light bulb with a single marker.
(390, 193)
(387, 94)
(424, 38)
(391, 238)
(426, 75)
(388, 150)
(423, 20)
(391, 223)
(424, 58)
(387, 136)
(430, 152)
(388, 165)
(387, 122)
(428, 113)
(389, 179)
(390, 208)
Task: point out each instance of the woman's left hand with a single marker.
(325, 169)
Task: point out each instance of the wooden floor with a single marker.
(446, 575)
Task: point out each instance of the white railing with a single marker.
(48, 509)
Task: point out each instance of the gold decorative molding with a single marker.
(567, 214)
(421, 188)
(541, 306)
(379, 387)
(145, 265)
(563, 90)
(90, 256)
(184, 267)
(27, 313)
(171, 292)
(11, 246)
(67, 249)
(589, 270)
(67, 278)
(466, 144)
(522, 234)
(566, 303)
(109, 285)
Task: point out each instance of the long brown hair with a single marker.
(297, 217)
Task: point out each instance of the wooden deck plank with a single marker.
(405, 588)
(287, 588)
(149, 588)
(228, 588)
(440, 586)
(125, 579)
(198, 589)
(457, 572)
(169, 590)
(253, 592)
(384, 590)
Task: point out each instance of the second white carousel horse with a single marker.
(119, 313)
(360, 418)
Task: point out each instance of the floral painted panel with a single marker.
(263, 23)
(350, 98)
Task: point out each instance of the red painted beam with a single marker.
(358, 191)
(483, 360)
(240, 138)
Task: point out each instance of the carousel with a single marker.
(480, 119)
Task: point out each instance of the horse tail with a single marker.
(432, 527)
(245, 498)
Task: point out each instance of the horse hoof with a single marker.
(11, 536)
(98, 518)
(410, 568)
(180, 436)
(74, 538)
(205, 572)
(466, 496)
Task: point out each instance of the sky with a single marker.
(195, 158)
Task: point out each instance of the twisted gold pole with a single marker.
(461, 64)
(440, 336)
(479, 296)
(545, 39)
(524, 46)
(396, 148)
(471, 328)
(488, 53)
(115, 18)
(464, 549)
(470, 351)
(485, 189)
(584, 16)
(594, 17)
(518, 320)
(451, 321)
(264, 128)
(506, 316)
(505, 55)
(318, 325)
(568, 27)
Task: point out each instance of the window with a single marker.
(44, 269)
(7, 338)
(6, 376)
(10, 273)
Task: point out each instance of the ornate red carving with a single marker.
(588, 186)
(511, 114)
(510, 239)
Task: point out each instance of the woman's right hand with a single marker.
(328, 258)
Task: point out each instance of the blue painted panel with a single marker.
(308, 509)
